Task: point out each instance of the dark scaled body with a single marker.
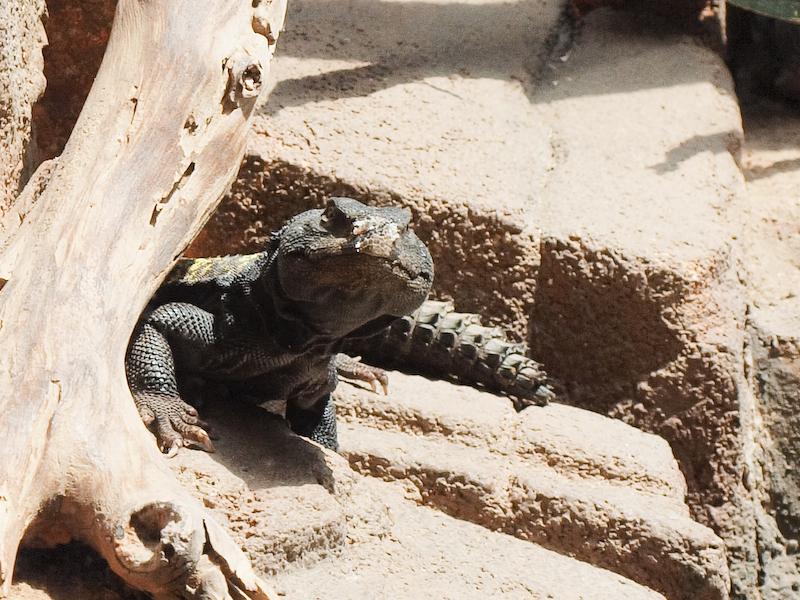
(269, 326)
(272, 325)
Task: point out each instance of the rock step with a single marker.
(318, 530)
(428, 554)
(572, 442)
(647, 538)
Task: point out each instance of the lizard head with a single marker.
(348, 264)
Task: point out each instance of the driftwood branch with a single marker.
(160, 137)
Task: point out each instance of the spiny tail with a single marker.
(437, 341)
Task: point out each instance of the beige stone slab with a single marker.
(427, 100)
(573, 442)
(575, 482)
(430, 555)
(648, 132)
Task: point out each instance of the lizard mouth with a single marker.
(412, 274)
(392, 263)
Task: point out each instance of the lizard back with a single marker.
(219, 270)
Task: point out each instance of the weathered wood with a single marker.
(159, 138)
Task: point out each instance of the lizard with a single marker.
(271, 325)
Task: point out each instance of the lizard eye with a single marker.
(334, 220)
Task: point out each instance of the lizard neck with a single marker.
(281, 318)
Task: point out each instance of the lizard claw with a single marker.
(383, 379)
(172, 451)
(176, 423)
(544, 395)
(353, 368)
(199, 439)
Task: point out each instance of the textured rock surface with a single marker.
(21, 82)
(560, 477)
(427, 554)
(775, 347)
(577, 483)
(771, 244)
(77, 33)
(624, 261)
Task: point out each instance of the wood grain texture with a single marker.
(159, 139)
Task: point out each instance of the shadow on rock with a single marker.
(258, 447)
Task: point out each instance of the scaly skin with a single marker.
(268, 326)
(437, 341)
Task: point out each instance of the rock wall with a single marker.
(597, 212)
(77, 34)
(771, 264)
(21, 83)
(775, 370)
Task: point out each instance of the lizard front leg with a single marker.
(317, 422)
(311, 411)
(150, 369)
(352, 368)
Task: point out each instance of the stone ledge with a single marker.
(639, 528)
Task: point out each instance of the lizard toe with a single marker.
(194, 424)
(176, 424)
(383, 378)
(169, 440)
(352, 368)
(191, 428)
(147, 415)
(194, 436)
(192, 431)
